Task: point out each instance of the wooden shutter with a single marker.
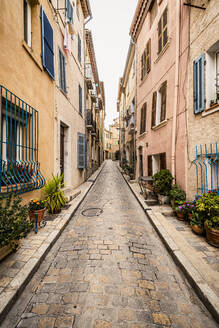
(69, 10)
(160, 42)
(142, 74)
(47, 45)
(154, 107)
(145, 117)
(163, 101)
(79, 48)
(164, 32)
(62, 75)
(150, 170)
(148, 56)
(163, 161)
(198, 84)
(81, 151)
(80, 98)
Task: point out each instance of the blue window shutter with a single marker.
(69, 10)
(81, 151)
(199, 84)
(47, 45)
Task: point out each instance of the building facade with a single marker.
(115, 131)
(44, 95)
(202, 165)
(126, 108)
(160, 31)
(108, 144)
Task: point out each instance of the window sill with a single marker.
(144, 78)
(211, 110)
(32, 55)
(162, 52)
(142, 134)
(160, 125)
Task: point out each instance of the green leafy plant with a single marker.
(197, 219)
(14, 224)
(36, 205)
(176, 194)
(208, 205)
(213, 223)
(54, 196)
(162, 182)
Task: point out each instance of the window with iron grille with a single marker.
(143, 118)
(162, 31)
(19, 128)
(62, 73)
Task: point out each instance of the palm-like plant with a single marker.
(55, 197)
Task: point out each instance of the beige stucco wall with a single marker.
(22, 73)
(67, 105)
(202, 129)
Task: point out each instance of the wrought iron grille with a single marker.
(19, 127)
(207, 168)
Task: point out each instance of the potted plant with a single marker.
(162, 182)
(197, 223)
(54, 196)
(208, 206)
(37, 207)
(212, 230)
(179, 209)
(14, 224)
(176, 194)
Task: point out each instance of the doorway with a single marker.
(62, 150)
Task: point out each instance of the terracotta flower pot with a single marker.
(212, 236)
(196, 229)
(40, 213)
(180, 216)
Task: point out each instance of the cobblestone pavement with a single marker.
(108, 271)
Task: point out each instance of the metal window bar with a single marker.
(19, 129)
(207, 168)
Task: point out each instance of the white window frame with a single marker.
(212, 77)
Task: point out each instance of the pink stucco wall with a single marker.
(159, 140)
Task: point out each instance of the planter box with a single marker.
(212, 236)
(6, 250)
(196, 229)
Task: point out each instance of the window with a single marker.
(47, 44)
(27, 23)
(153, 11)
(212, 75)
(198, 71)
(159, 105)
(79, 48)
(156, 163)
(146, 60)
(62, 74)
(81, 151)
(19, 166)
(143, 118)
(69, 11)
(77, 9)
(162, 31)
(80, 99)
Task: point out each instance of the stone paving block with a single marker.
(162, 319)
(40, 308)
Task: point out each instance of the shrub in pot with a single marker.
(38, 207)
(197, 223)
(176, 194)
(54, 196)
(212, 230)
(14, 224)
(162, 182)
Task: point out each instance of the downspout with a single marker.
(85, 95)
(135, 116)
(176, 90)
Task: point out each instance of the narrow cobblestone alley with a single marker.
(109, 270)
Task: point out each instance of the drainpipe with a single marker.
(173, 155)
(85, 94)
(135, 45)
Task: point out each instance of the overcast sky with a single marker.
(110, 29)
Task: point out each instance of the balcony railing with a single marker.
(19, 128)
(89, 76)
(89, 122)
